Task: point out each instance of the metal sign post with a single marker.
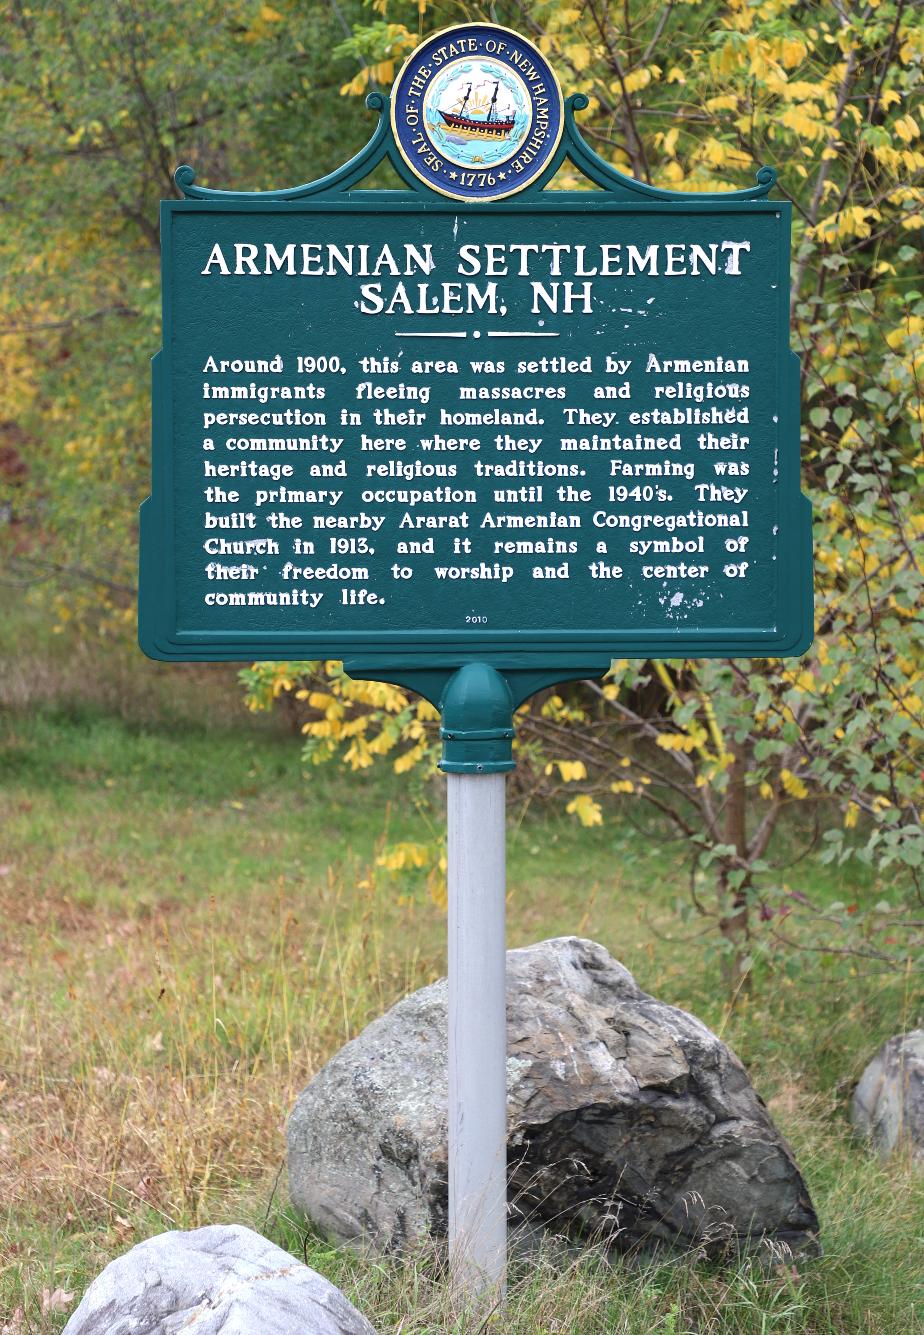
(477, 1035)
(477, 732)
(477, 705)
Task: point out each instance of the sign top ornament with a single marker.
(477, 112)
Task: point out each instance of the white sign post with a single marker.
(477, 1037)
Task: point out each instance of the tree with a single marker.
(696, 97)
(100, 105)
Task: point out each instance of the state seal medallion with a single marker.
(477, 112)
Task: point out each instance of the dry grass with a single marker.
(189, 930)
(151, 1061)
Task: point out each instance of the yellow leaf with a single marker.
(850, 815)
(270, 15)
(579, 55)
(730, 58)
(797, 118)
(669, 143)
(793, 52)
(793, 784)
(399, 857)
(586, 809)
(679, 741)
(637, 80)
(436, 881)
(714, 153)
(357, 755)
(357, 85)
(913, 325)
(409, 759)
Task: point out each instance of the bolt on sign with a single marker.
(477, 418)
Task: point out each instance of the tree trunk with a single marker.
(733, 899)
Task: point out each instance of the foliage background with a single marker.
(190, 929)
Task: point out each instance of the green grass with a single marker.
(191, 926)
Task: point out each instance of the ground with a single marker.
(191, 925)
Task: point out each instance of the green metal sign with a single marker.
(416, 432)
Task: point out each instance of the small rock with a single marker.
(213, 1281)
(628, 1120)
(888, 1102)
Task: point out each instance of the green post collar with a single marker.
(476, 701)
(477, 728)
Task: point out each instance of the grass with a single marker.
(190, 928)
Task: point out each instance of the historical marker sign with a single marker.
(533, 428)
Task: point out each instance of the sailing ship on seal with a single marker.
(491, 126)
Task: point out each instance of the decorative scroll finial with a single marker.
(184, 176)
(382, 145)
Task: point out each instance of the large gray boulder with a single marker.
(888, 1102)
(222, 1280)
(628, 1120)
